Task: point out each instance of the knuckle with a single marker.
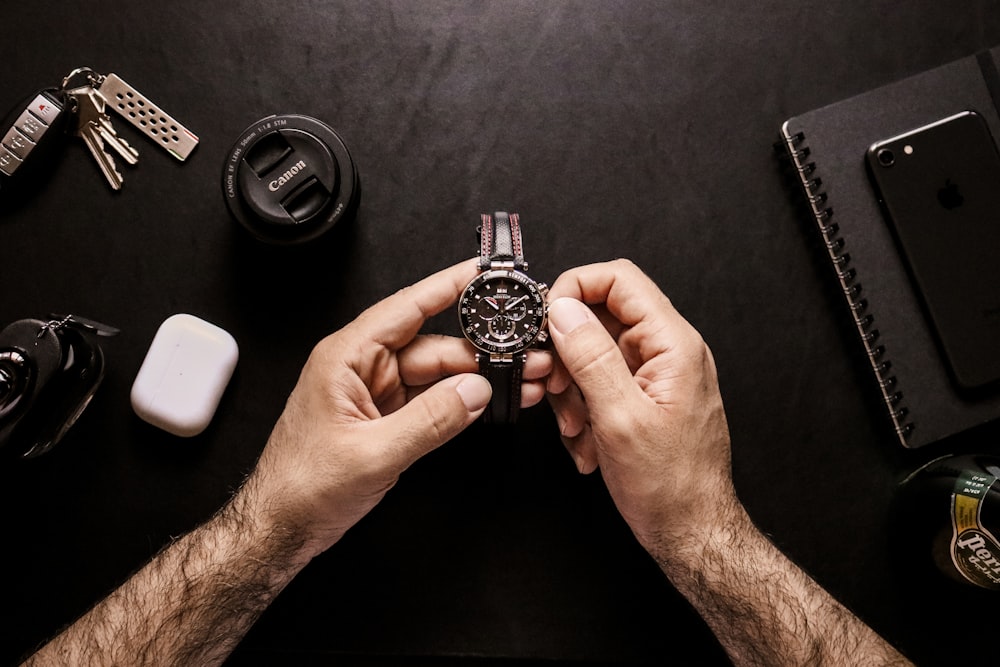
(591, 360)
(434, 421)
(624, 263)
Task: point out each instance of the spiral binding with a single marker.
(795, 147)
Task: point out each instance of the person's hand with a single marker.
(372, 398)
(635, 393)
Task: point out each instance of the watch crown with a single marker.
(543, 288)
(542, 337)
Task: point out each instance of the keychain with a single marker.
(80, 106)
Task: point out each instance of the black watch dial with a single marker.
(502, 311)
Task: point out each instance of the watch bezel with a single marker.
(517, 343)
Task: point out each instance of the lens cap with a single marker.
(289, 179)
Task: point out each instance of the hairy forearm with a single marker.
(763, 608)
(192, 603)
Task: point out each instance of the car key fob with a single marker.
(31, 132)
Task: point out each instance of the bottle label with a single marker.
(974, 550)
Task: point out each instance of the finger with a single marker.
(574, 431)
(583, 451)
(570, 411)
(629, 294)
(435, 416)
(559, 379)
(432, 357)
(536, 372)
(592, 358)
(396, 320)
(532, 393)
(640, 317)
(539, 365)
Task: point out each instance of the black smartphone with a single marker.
(939, 188)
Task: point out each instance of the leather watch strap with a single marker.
(500, 240)
(500, 245)
(505, 379)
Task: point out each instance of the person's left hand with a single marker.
(372, 399)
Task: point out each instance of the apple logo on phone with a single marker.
(949, 195)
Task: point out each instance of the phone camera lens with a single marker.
(886, 157)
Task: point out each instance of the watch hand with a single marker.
(493, 302)
(513, 302)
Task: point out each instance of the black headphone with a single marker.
(49, 371)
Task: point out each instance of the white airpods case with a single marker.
(184, 375)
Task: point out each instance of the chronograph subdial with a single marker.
(516, 309)
(501, 327)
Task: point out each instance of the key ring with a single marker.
(93, 78)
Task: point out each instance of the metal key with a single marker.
(102, 122)
(94, 127)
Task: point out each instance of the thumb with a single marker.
(436, 415)
(589, 354)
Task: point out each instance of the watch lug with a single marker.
(501, 358)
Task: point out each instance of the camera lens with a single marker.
(886, 157)
(289, 179)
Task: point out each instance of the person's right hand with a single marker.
(635, 393)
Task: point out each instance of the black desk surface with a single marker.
(638, 129)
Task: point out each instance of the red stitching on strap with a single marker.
(515, 232)
(486, 238)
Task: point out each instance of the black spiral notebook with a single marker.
(827, 147)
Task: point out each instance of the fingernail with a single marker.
(567, 314)
(475, 391)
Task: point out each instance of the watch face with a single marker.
(502, 311)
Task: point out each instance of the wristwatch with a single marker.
(503, 312)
